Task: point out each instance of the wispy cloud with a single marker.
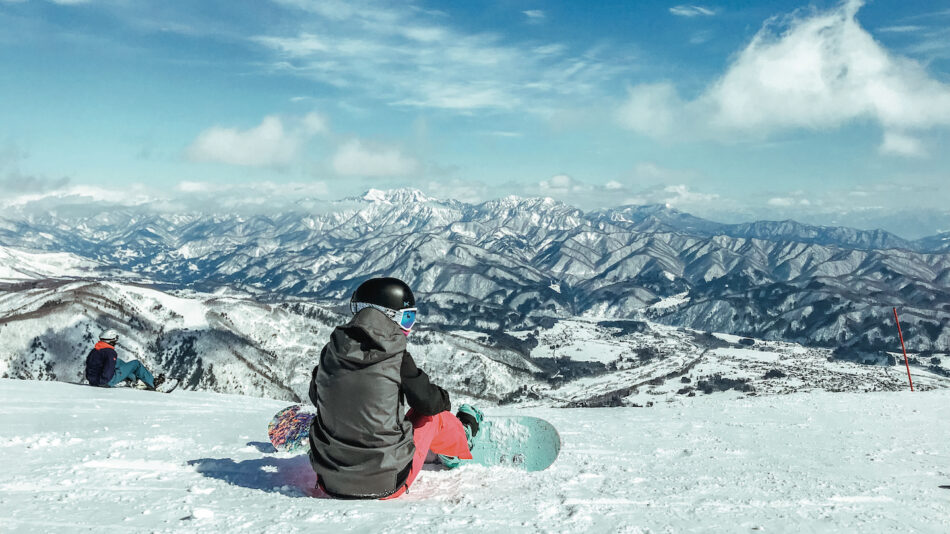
(700, 37)
(302, 45)
(408, 57)
(813, 72)
(901, 29)
(272, 143)
(358, 158)
(688, 10)
(535, 16)
(502, 133)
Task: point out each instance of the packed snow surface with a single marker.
(77, 458)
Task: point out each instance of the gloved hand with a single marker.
(468, 421)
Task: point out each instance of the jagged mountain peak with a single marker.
(394, 196)
(517, 202)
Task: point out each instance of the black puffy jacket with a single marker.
(360, 443)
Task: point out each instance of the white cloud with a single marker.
(680, 195)
(786, 202)
(354, 158)
(800, 72)
(651, 109)
(271, 143)
(899, 144)
(534, 15)
(559, 183)
(314, 123)
(613, 185)
(781, 201)
(194, 187)
(692, 11)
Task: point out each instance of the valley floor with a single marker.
(76, 458)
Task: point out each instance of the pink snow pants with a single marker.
(441, 433)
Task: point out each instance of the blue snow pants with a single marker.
(133, 371)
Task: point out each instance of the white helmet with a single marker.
(109, 335)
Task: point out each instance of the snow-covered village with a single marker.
(645, 267)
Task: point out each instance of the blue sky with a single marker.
(731, 109)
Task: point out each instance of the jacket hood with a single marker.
(369, 337)
(103, 345)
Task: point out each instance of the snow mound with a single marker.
(81, 458)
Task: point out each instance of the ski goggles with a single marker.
(405, 318)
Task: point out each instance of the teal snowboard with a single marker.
(521, 442)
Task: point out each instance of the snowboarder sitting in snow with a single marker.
(361, 446)
(105, 369)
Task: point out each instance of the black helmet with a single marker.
(390, 293)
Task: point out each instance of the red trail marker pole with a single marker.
(906, 363)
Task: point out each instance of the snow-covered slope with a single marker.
(230, 343)
(77, 458)
(23, 265)
(225, 342)
(212, 342)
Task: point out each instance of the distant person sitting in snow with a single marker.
(361, 446)
(105, 369)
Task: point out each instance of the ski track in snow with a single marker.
(77, 458)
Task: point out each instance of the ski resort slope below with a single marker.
(77, 458)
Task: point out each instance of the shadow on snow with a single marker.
(262, 446)
(292, 477)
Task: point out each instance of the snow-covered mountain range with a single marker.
(230, 342)
(519, 262)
